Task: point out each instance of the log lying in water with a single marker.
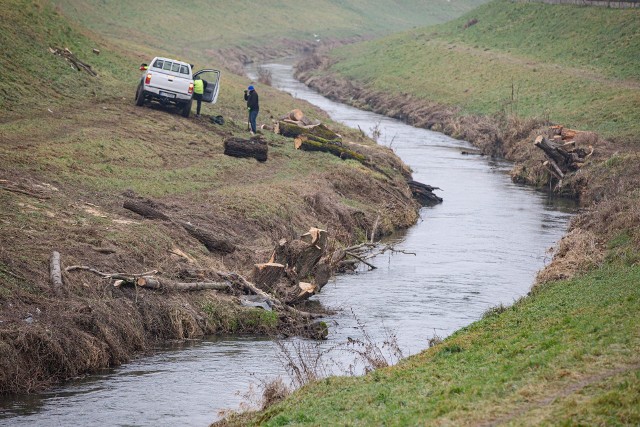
(423, 193)
(238, 147)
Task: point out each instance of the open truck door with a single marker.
(212, 77)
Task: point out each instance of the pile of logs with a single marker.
(563, 156)
(255, 147)
(296, 270)
(311, 135)
(75, 62)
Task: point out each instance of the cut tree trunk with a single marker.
(55, 272)
(563, 158)
(423, 193)
(265, 276)
(211, 242)
(335, 147)
(292, 130)
(237, 147)
(321, 275)
(167, 285)
(144, 209)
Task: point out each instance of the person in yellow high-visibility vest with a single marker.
(199, 86)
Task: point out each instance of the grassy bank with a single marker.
(566, 355)
(74, 148)
(572, 65)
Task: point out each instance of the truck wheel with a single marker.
(186, 109)
(139, 96)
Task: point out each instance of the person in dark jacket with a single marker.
(251, 96)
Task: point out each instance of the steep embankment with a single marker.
(74, 148)
(567, 353)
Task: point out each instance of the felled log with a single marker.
(292, 130)
(144, 209)
(244, 148)
(238, 280)
(151, 282)
(423, 193)
(70, 57)
(208, 239)
(266, 275)
(335, 147)
(55, 272)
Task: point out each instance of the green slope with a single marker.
(577, 66)
(201, 24)
(565, 356)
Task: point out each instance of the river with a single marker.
(480, 248)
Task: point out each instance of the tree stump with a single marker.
(267, 275)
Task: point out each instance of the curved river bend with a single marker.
(480, 248)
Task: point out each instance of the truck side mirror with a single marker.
(143, 67)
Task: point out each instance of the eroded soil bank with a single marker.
(64, 184)
(607, 184)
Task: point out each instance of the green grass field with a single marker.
(565, 356)
(173, 27)
(576, 66)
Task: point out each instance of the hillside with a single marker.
(577, 66)
(75, 148)
(246, 29)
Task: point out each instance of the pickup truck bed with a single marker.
(169, 81)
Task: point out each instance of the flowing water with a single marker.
(478, 249)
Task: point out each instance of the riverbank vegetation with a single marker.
(75, 148)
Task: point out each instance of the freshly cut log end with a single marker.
(246, 148)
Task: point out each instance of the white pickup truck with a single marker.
(169, 81)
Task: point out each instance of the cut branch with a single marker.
(55, 272)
